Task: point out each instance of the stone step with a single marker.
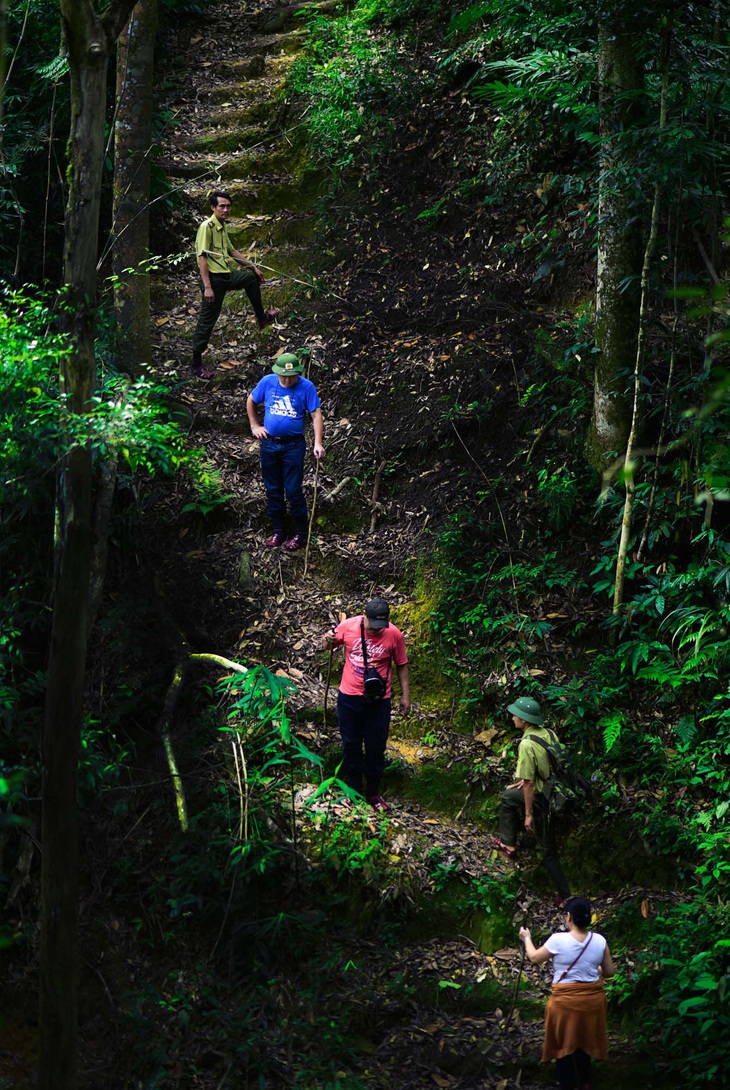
(262, 232)
(273, 231)
(233, 93)
(275, 159)
(277, 20)
(271, 195)
(232, 140)
(182, 167)
(274, 67)
(291, 41)
(260, 112)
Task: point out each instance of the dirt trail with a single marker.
(230, 127)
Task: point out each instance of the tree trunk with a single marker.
(629, 467)
(89, 38)
(132, 148)
(619, 253)
(3, 62)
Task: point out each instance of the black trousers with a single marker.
(363, 726)
(574, 1071)
(512, 819)
(240, 279)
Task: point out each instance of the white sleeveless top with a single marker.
(565, 950)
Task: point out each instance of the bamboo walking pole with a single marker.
(311, 517)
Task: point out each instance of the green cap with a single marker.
(288, 364)
(526, 708)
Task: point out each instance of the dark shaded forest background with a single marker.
(498, 234)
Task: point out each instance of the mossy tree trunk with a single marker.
(89, 39)
(619, 250)
(133, 144)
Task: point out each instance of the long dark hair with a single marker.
(580, 909)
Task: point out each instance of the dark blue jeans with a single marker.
(363, 726)
(282, 470)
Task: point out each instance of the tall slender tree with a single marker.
(90, 36)
(619, 247)
(132, 150)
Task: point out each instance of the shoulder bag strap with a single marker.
(575, 960)
(364, 645)
(365, 652)
(541, 741)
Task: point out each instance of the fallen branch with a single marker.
(164, 724)
(228, 664)
(338, 488)
(163, 729)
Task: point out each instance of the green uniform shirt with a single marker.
(533, 762)
(212, 240)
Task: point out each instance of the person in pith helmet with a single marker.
(286, 396)
(523, 803)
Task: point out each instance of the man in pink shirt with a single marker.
(372, 645)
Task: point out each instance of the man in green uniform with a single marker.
(523, 802)
(217, 256)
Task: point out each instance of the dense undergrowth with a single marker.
(526, 571)
(519, 579)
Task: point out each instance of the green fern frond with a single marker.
(686, 729)
(611, 725)
(56, 69)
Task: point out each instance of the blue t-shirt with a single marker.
(284, 406)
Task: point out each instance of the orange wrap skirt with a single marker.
(575, 1017)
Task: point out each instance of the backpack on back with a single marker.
(564, 787)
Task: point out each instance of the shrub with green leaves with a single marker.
(355, 82)
(128, 421)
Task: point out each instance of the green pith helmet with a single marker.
(526, 708)
(288, 364)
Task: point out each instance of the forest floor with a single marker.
(395, 334)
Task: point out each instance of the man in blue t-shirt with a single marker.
(286, 396)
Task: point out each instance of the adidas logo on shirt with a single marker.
(282, 406)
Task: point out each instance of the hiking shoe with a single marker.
(269, 317)
(200, 371)
(275, 540)
(296, 542)
(498, 846)
(378, 803)
(560, 903)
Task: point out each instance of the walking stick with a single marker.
(327, 690)
(517, 988)
(311, 517)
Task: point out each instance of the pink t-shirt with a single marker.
(383, 646)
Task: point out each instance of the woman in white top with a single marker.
(575, 1017)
